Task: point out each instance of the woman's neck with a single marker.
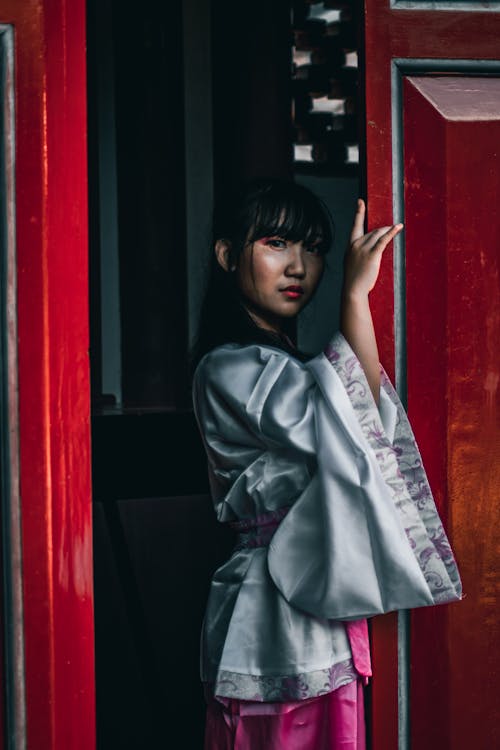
(273, 324)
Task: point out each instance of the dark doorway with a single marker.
(151, 157)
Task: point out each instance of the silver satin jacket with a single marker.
(336, 518)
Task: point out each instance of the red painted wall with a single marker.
(51, 227)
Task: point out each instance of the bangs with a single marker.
(298, 217)
(272, 207)
(293, 214)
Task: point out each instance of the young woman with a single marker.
(313, 462)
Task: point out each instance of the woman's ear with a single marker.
(222, 252)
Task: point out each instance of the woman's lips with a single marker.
(293, 292)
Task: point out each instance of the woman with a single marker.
(312, 461)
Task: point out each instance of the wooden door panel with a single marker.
(50, 695)
(428, 165)
(452, 183)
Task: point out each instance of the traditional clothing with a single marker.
(336, 519)
(334, 720)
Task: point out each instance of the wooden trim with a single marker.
(14, 662)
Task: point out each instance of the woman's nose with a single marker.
(296, 265)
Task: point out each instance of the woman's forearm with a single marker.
(356, 325)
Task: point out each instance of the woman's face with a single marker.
(277, 278)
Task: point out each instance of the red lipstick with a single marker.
(293, 292)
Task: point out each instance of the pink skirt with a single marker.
(334, 721)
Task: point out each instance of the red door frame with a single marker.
(53, 370)
(53, 337)
(393, 35)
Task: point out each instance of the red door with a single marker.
(432, 133)
(48, 613)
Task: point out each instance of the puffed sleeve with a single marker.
(268, 394)
(257, 395)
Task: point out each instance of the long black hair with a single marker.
(261, 208)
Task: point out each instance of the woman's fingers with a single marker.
(387, 236)
(358, 226)
(375, 235)
(379, 237)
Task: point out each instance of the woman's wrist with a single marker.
(355, 296)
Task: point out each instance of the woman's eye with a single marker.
(314, 249)
(275, 242)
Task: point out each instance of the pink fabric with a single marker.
(334, 721)
(357, 632)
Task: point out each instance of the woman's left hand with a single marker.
(364, 253)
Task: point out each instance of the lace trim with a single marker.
(285, 688)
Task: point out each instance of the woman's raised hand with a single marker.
(364, 253)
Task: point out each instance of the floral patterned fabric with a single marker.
(287, 688)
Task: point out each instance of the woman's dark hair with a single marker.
(262, 208)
